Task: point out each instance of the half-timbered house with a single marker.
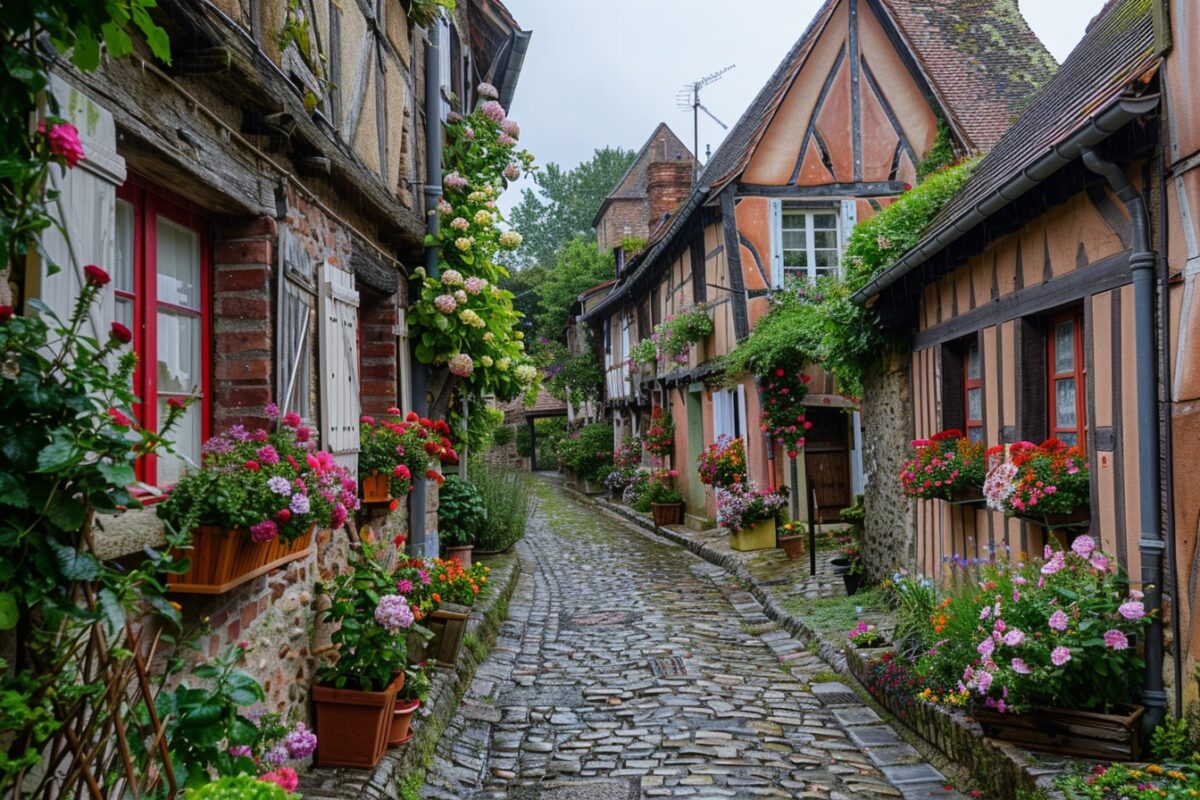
(836, 133)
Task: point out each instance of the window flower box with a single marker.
(223, 558)
(1087, 734)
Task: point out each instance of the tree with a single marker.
(579, 265)
(565, 203)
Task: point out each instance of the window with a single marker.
(161, 292)
(810, 242)
(1067, 384)
(973, 393)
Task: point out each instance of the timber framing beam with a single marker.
(868, 189)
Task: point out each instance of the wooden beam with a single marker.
(733, 258)
(831, 190)
(855, 95)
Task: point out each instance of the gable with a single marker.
(853, 113)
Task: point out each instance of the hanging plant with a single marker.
(659, 438)
(677, 333)
(783, 392)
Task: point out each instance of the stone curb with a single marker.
(386, 780)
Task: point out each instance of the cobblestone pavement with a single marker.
(630, 668)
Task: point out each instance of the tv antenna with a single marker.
(688, 98)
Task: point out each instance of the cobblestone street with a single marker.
(630, 668)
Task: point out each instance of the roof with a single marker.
(632, 185)
(545, 406)
(1116, 51)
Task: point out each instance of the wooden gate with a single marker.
(827, 461)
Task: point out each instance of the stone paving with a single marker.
(630, 668)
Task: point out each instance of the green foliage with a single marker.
(426, 12)
(508, 500)
(589, 451)
(835, 614)
(941, 154)
(578, 266)
(565, 203)
(1170, 741)
(1131, 782)
(462, 515)
(524, 441)
(644, 353)
(239, 787)
(578, 378)
(632, 245)
(677, 333)
(418, 680)
(483, 423)
(504, 435)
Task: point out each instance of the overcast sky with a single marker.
(605, 72)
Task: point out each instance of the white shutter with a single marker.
(444, 34)
(294, 351)
(775, 215)
(339, 366)
(86, 209)
(739, 415)
(849, 218)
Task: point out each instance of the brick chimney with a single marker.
(668, 184)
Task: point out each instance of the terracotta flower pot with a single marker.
(461, 552)
(377, 488)
(448, 623)
(222, 558)
(667, 513)
(402, 718)
(793, 546)
(353, 726)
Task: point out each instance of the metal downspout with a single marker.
(419, 543)
(1142, 262)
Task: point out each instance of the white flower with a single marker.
(483, 217)
(510, 240)
(486, 361)
(464, 242)
(459, 224)
(525, 373)
(452, 277)
(461, 365)
(487, 90)
(503, 363)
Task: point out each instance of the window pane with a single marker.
(975, 404)
(1064, 347)
(1064, 403)
(826, 258)
(124, 311)
(794, 240)
(178, 265)
(826, 221)
(795, 258)
(826, 239)
(1069, 438)
(186, 438)
(123, 272)
(793, 221)
(973, 362)
(975, 434)
(178, 352)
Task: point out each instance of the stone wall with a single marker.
(890, 524)
(504, 456)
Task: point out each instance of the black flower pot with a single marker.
(840, 565)
(852, 582)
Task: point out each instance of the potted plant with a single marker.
(790, 537)
(412, 693)
(849, 564)
(1048, 484)
(254, 503)
(723, 463)
(666, 501)
(782, 418)
(355, 694)
(460, 514)
(453, 590)
(750, 514)
(394, 449)
(946, 466)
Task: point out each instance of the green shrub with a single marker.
(589, 453)
(505, 435)
(239, 787)
(462, 515)
(524, 441)
(508, 500)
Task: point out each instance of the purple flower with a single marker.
(275, 756)
(271, 410)
(299, 504)
(1116, 640)
(1132, 610)
(240, 751)
(279, 485)
(1099, 562)
(1020, 667)
(423, 576)
(300, 742)
(1014, 638)
(393, 613)
(1058, 621)
(264, 531)
(404, 586)
(984, 680)
(986, 647)
(1055, 564)
(338, 517)
(1059, 656)
(1083, 546)
(268, 455)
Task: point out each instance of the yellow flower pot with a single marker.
(760, 537)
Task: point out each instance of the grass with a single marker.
(758, 628)
(830, 614)
(826, 676)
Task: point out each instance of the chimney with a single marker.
(668, 184)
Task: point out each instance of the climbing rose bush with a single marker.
(783, 392)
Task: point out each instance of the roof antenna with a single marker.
(687, 99)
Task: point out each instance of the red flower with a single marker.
(6, 313)
(119, 419)
(399, 539)
(64, 141)
(284, 515)
(392, 506)
(177, 402)
(432, 448)
(366, 419)
(779, 372)
(412, 417)
(292, 460)
(95, 276)
(252, 466)
(302, 434)
(291, 419)
(120, 333)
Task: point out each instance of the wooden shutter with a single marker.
(340, 407)
(849, 218)
(775, 215)
(86, 210)
(953, 401)
(1031, 381)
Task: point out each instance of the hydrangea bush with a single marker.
(944, 465)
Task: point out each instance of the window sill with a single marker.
(130, 532)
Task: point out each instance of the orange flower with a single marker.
(437, 598)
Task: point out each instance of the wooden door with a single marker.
(827, 462)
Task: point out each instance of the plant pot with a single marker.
(966, 496)
(462, 552)
(839, 565)
(1087, 734)
(1076, 519)
(667, 513)
(417, 646)
(222, 558)
(401, 721)
(759, 537)
(353, 726)
(377, 488)
(448, 623)
(852, 582)
(793, 546)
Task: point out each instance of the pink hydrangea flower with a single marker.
(285, 777)
(461, 365)
(1083, 546)
(487, 90)
(1132, 609)
(494, 110)
(1058, 621)
(1020, 667)
(1059, 656)
(1014, 638)
(1116, 640)
(300, 742)
(445, 303)
(393, 613)
(511, 127)
(454, 181)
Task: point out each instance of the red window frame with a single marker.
(149, 202)
(974, 426)
(1078, 373)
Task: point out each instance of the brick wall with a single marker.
(668, 184)
(377, 316)
(631, 214)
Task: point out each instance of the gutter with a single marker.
(518, 46)
(1151, 544)
(1098, 128)
(694, 201)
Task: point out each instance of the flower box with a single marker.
(967, 496)
(377, 488)
(222, 558)
(1087, 734)
(448, 623)
(759, 537)
(592, 488)
(1080, 518)
(667, 513)
(353, 726)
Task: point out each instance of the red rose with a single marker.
(120, 333)
(411, 416)
(291, 419)
(119, 418)
(284, 515)
(95, 276)
(432, 448)
(6, 313)
(252, 466)
(177, 402)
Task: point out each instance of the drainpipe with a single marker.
(419, 543)
(1142, 262)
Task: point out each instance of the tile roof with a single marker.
(632, 185)
(545, 405)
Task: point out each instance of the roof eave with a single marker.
(1120, 112)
